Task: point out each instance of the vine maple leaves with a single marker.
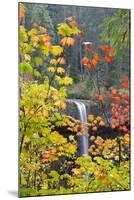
(95, 58)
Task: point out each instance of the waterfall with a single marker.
(82, 140)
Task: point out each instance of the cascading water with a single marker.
(82, 140)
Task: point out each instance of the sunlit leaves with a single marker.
(67, 41)
(27, 57)
(32, 32)
(91, 117)
(76, 171)
(95, 122)
(53, 62)
(61, 60)
(23, 34)
(60, 70)
(68, 29)
(60, 104)
(51, 69)
(57, 50)
(64, 29)
(64, 81)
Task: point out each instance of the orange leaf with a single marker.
(88, 48)
(21, 12)
(114, 91)
(90, 117)
(94, 62)
(53, 62)
(113, 126)
(48, 45)
(90, 65)
(67, 41)
(108, 59)
(104, 47)
(96, 57)
(45, 160)
(85, 60)
(61, 60)
(73, 23)
(111, 52)
(46, 38)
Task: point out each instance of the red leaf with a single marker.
(124, 85)
(114, 91)
(85, 60)
(108, 59)
(100, 97)
(116, 98)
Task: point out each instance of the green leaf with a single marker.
(25, 67)
(38, 60)
(37, 73)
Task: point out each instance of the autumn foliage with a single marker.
(49, 160)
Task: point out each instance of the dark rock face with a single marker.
(91, 108)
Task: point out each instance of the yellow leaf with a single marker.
(75, 31)
(67, 81)
(95, 121)
(90, 117)
(94, 128)
(67, 41)
(102, 123)
(27, 57)
(98, 118)
(60, 70)
(57, 50)
(61, 60)
(60, 104)
(51, 69)
(76, 171)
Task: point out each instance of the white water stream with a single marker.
(82, 140)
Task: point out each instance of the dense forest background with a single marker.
(97, 25)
